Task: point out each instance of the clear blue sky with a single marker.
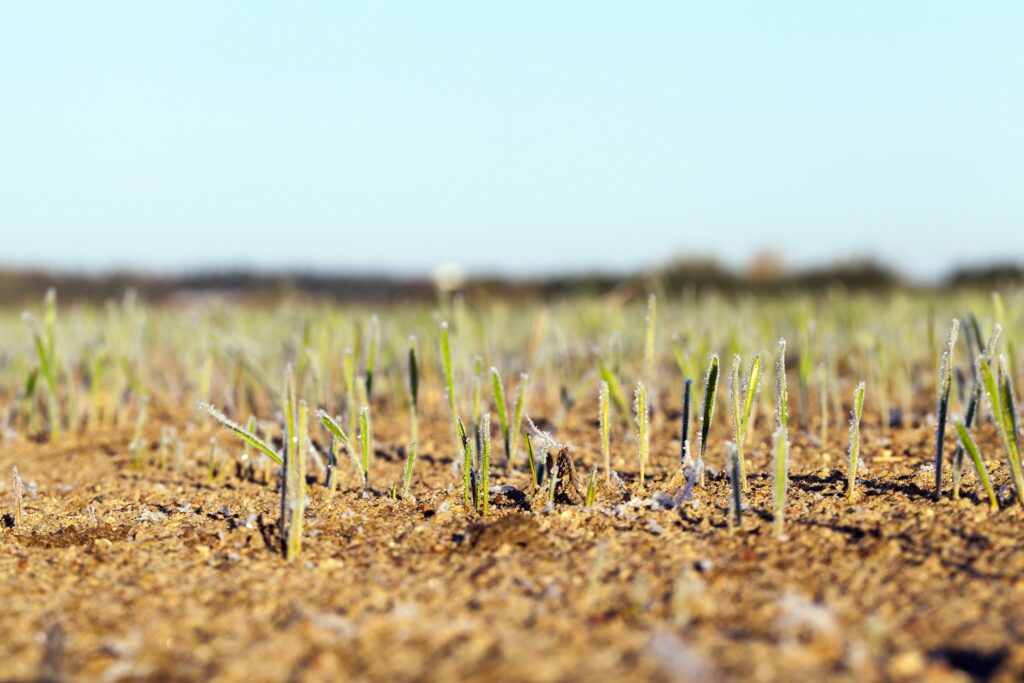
(526, 137)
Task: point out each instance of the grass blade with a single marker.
(247, 436)
(979, 465)
(643, 435)
(707, 412)
(605, 428)
(854, 450)
(945, 383)
(502, 408)
(410, 462)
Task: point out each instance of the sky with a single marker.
(512, 138)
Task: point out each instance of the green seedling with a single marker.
(372, 349)
(414, 391)
(137, 444)
(449, 382)
(17, 495)
(246, 435)
(736, 482)
(804, 365)
(643, 432)
(467, 463)
(682, 358)
(340, 440)
(742, 403)
(605, 428)
(780, 447)
(348, 371)
(247, 465)
(565, 395)
(945, 383)
(46, 351)
(410, 462)
(552, 482)
(331, 480)
(1009, 403)
(979, 465)
(823, 404)
(290, 402)
(684, 427)
(976, 393)
(782, 392)
(502, 408)
(531, 461)
(476, 408)
(366, 442)
(1011, 351)
(614, 389)
(166, 439)
(517, 414)
(296, 465)
(649, 338)
(707, 412)
(485, 464)
(211, 460)
(592, 487)
(854, 450)
(1001, 399)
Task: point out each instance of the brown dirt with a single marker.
(119, 574)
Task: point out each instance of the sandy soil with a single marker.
(119, 574)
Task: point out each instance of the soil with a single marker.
(122, 574)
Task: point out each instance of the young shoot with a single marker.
(531, 461)
(348, 370)
(296, 480)
(780, 447)
(340, 440)
(246, 435)
(414, 391)
(46, 352)
(449, 382)
(591, 487)
(211, 461)
(372, 349)
(742, 403)
(650, 337)
(485, 464)
(476, 408)
(707, 412)
(782, 392)
(517, 414)
(410, 462)
(643, 432)
(605, 428)
(973, 341)
(614, 389)
(979, 465)
(17, 496)
(823, 404)
(736, 481)
(1001, 398)
(366, 441)
(502, 408)
(137, 444)
(684, 427)
(467, 463)
(945, 383)
(854, 450)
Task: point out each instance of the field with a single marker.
(591, 536)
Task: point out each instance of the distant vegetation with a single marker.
(20, 287)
